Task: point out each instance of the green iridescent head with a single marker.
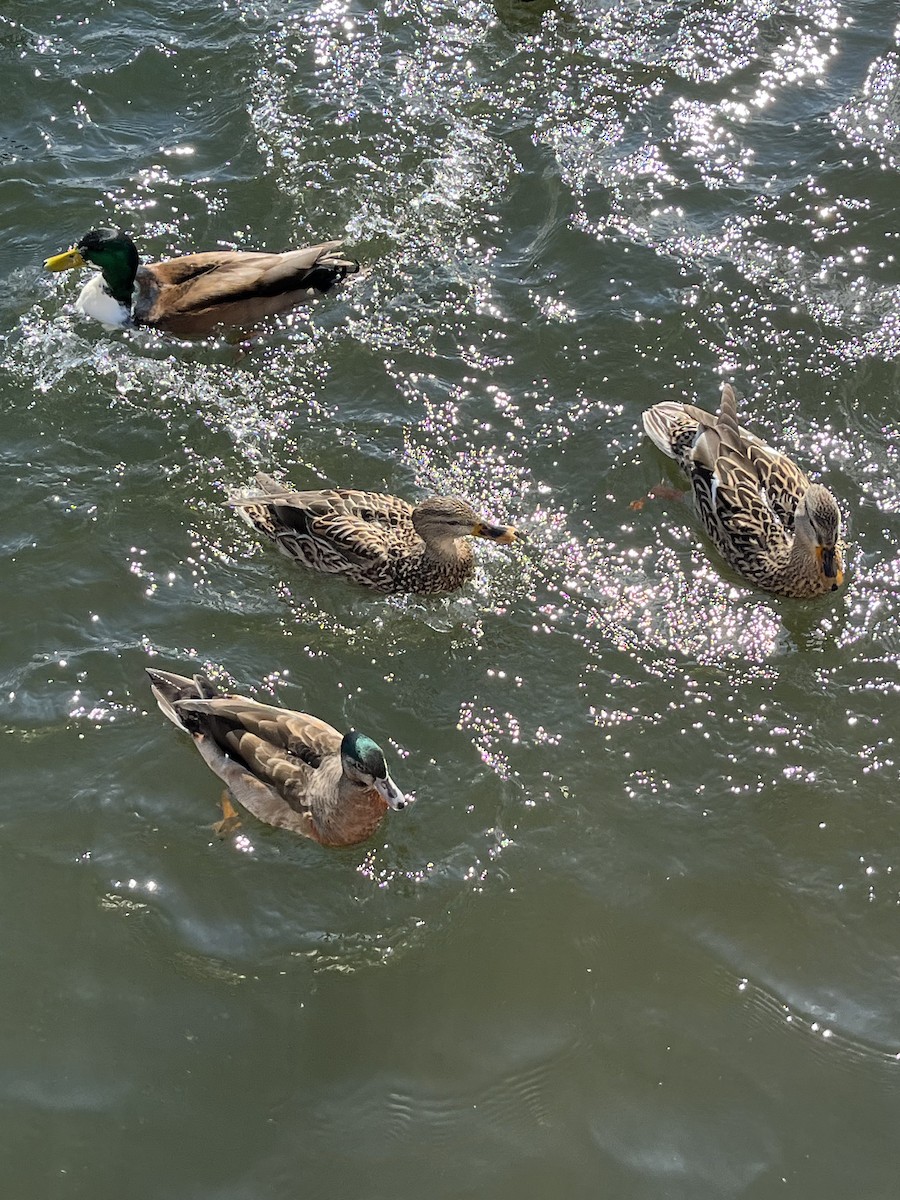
(109, 249)
(364, 765)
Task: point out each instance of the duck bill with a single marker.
(828, 561)
(502, 535)
(65, 261)
(391, 794)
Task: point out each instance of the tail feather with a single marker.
(270, 485)
(269, 489)
(324, 255)
(334, 262)
(726, 423)
(330, 268)
(169, 689)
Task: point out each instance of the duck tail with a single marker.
(661, 423)
(270, 486)
(726, 422)
(267, 488)
(337, 262)
(169, 688)
(331, 267)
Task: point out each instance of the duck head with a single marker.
(109, 249)
(818, 518)
(445, 518)
(363, 764)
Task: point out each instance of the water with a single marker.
(637, 937)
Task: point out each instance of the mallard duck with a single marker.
(381, 542)
(774, 527)
(289, 769)
(189, 296)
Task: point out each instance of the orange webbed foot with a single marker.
(231, 819)
(659, 491)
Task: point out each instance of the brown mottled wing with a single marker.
(335, 527)
(370, 508)
(781, 481)
(365, 524)
(730, 500)
(278, 746)
(784, 483)
(729, 491)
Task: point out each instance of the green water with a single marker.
(638, 936)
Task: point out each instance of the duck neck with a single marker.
(448, 550)
(118, 261)
(119, 276)
(356, 814)
(797, 569)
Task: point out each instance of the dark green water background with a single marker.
(638, 937)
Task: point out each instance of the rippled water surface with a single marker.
(638, 937)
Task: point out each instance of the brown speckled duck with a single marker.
(191, 295)
(378, 541)
(778, 530)
(287, 768)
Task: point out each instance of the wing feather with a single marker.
(334, 528)
(197, 283)
(303, 736)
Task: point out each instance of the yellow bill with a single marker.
(65, 261)
(501, 534)
(828, 561)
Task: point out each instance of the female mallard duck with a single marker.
(378, 541)
(774, 527)
(189, 296)
(289, 769)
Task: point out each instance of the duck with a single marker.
(289, 769)
(189, 296)
(378, 541)
(778, 530)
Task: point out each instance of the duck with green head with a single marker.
(191, 295)
(287, 768)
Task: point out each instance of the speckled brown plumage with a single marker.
(778, 530)
(289, 769)
(376, 540)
